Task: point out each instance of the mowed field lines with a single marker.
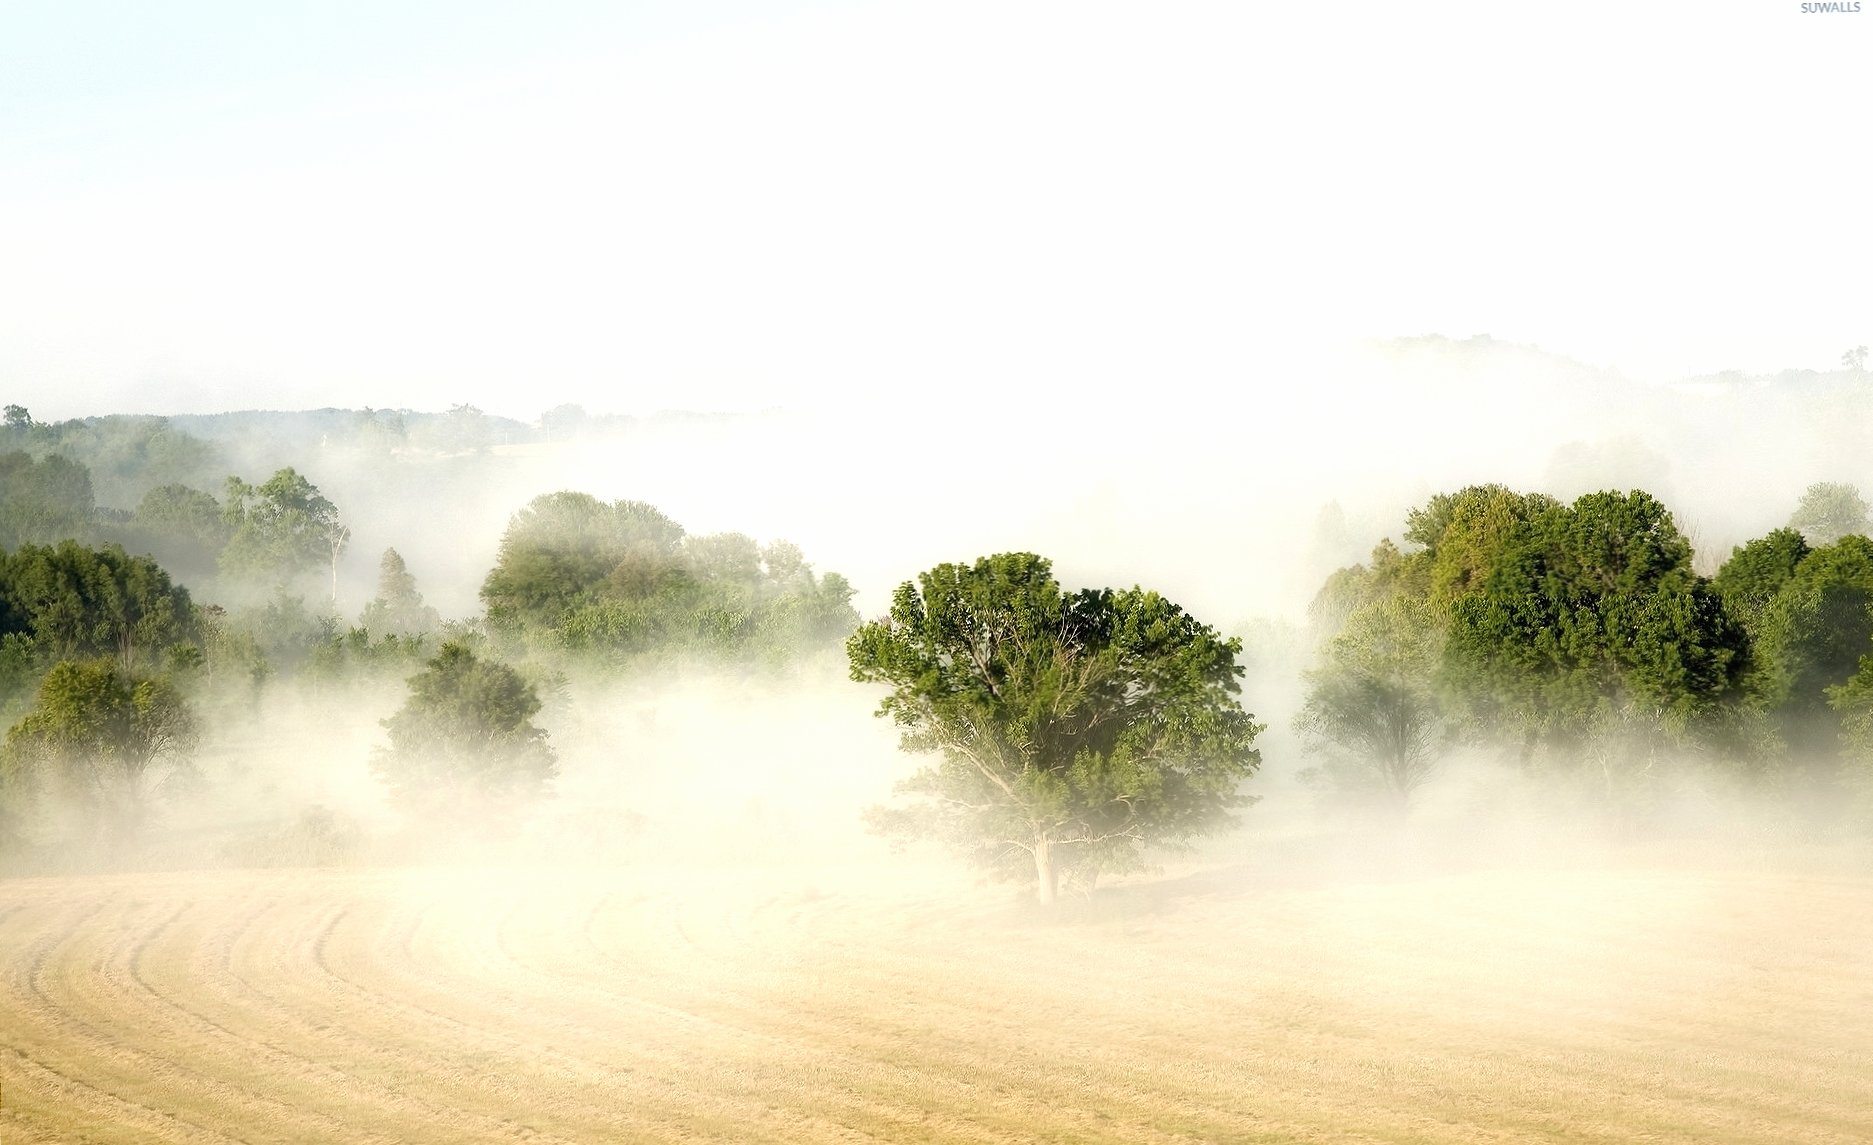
(1611, 1004)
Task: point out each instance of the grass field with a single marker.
(1616, 1002)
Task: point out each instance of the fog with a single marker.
(1234, 503)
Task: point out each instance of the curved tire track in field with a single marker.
(653, 1006)
(87, 1049)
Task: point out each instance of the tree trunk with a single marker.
(1047, 877)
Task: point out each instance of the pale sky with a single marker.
(207, 206)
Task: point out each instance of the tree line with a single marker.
(1578, 639)
(1067, 732)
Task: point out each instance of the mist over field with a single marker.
(971, 573)
(695, 928)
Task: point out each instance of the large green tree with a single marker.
(1756, 571)
(183, 528)
(463, 747)
(281, 529)
(1071, 730)
(562, 549)
(1590, 626)
(75, 602)
(105, 742)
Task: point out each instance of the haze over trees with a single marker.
(1571, 635)
(1569, 640)
(1073, 730)
(614, 583)
(103, 742)
(464, 750)
(280, 529)
(1829, 510)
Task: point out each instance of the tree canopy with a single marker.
(105, 741)
(1593, 613)
(616, 582)
(45, 500)
(75, 602)
(1072, 729)
(280, 529)
(1828, 511)
(398, 608)
(463, 747)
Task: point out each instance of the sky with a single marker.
(640, 206)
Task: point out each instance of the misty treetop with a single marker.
(1554, 630)
(1830, 510)
(104, 742)
(398, 608)
(1073, 730)
(464, 749)
(124, 455)
(613, 582)
(44, 500)
(281, 529)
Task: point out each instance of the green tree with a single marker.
(615, 583)
(1465, 534)
(561, 549)
(1591, 628)
(463, 748)
(1373, 713)
(281, 529)
(1812, 635)
(1829, 511)
(398, 608)
(105, 741)
(1852, 702)
(183, 528)
(45, 501)
(77, 602)
(1756, 572)
(1072, 729)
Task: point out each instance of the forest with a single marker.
(168, 586)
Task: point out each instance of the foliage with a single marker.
(398, 608)
(464, 748)
(279, 529)
(1755, 572)
(353, 656)
(561, 547)
(1466, 534)
(1373, 712)
(184, 528)
(285, 631)
(615, 583)
(76, 602)
(1592, 613)
(1072, 729)
(1812, 635)
(1389, 573)
(45, 501)
(105, 741)
(1828, 512)
(125, 454)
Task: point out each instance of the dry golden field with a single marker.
(1614, 1002)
